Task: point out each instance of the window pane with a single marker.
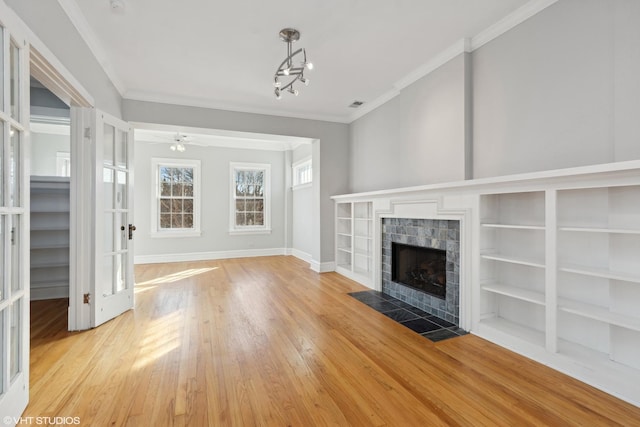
(16, 242)
(249, 218)
(249, 204)
(165, 220)
(1, 157)
(259, 190)
(177, 175)
(14, 76)
(188, 190)
(121, 188)
(259, 177)
(165, 205)
(240, 205)
(259, 205)
(259, 219)
(165, 189)
(109, 227)
(121, 272)
(187, 206)
(240, 219)
(188, 175)
(121, 149)
(14, 339)
(177, 190)
(188, 220)
(176, 220)
(165, 174)
(176, 205)
(2, 237)
(108, 177)
(109, 133)
(14, 167)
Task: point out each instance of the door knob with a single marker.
(132, 228)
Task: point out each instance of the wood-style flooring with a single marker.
(268, 342)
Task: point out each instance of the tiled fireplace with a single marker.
(424, 233)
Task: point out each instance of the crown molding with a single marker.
(207, 103)
(515, 18)
(79, 21)
(510, 21)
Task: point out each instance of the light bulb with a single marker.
(293, 91)
(181, 148)
(286, 71)
(277, 83)
(173, 147)
(278, 95)
(309, 65)
(305, 81)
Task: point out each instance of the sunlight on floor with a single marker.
(174, 277)
(161, 337)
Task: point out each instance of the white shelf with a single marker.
(347, 250)
(344, 234)
(600, 230)
(343, 218)
(354, 225)
(514, 226)
(357, 236)
(504, 326)
(48, 265)
(51, 246)
(515, 292)
(601, 272)
(513, 260)
(599, 313)
(50, 228)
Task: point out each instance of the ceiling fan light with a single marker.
(293, 91)
(277, 83)
(173, 147)
(309, 65)
(181, 148)
(305, 81)
(286, 71)
(278, 94)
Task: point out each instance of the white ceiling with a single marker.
(224, 54)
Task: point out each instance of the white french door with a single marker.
(113, 285)
(14, 227)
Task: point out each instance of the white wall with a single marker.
(302, 212)
(44, 148)
(416, 138)
(330, 152)
(215, 190)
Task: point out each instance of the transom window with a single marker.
(250, 203)
(302, 173)
(177, 198)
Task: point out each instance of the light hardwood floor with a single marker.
(266, 341)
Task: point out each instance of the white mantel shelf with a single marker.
(549, 262)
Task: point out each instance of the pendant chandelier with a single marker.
(293, 67)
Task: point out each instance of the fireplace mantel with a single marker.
(548, 263)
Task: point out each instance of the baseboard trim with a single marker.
(206, 256)
(300, 255)
(322, 267)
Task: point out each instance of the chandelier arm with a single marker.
(288, 60)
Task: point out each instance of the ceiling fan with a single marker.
(178, 141)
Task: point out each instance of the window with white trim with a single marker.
(302, 173)
(176, 203)
(250, 198)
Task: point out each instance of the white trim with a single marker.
(196, 231)
(79, 21)
(266, 197)
(217, 105)
(206, 256)
(299, 254)
(515, 18)
(510, 21)
(322, 267)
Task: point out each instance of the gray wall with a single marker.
(416, 138)
(50, 23)
(330, 153)
(561, 89)
(215, 200)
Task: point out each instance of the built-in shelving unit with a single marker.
(549, 262)
(354, 240)
(512, 293)
(49, 237)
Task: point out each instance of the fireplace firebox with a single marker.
(420, 268)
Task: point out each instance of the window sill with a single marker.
(175, 234)
(255, 231)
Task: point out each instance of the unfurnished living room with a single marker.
(304, 213)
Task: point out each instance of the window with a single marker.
(176, 203)
(250, 203)
(302, 173)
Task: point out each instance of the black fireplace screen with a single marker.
(420, 268)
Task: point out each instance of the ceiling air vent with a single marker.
(356, 104)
